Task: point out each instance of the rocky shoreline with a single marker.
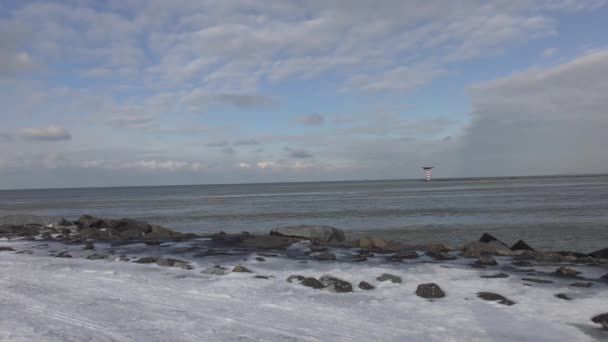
(128, 240)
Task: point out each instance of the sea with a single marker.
(556, 213)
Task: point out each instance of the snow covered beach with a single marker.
(107, 298)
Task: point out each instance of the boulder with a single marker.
(387, 276)
(295, 277)
(486, 260)
(323, 234)
(604, 277)
(365, 242)
(581, 284)
(11, 230)
(600, 254)
(430, 290)
(366, 286)
(94, 228)
(566, 272)
(538, 280)
(334, 284)
(215, 270)
(522, 263)
(312, 282)
(521, 245)
(562, 296)
(49, 221)
(601, 319)
(259, 259)
(487, 238)
(6, 249)
(441, 256)
(240, 269)
(477, 248)
(146, 260)
(494, 297)
(183, 265)
(63, 255)
(89, 246)
(550, 257)
(495, 276)
(266, 242)
(403, 255)
(169, 262)
(96, 256)
(327, 256)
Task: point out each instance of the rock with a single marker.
(25, 251)
(63, 255)
(522, 263)
(538, 280)
(295, 277)
(506, 252)
(366, 286)
(441, 256)
(430, 290)
(365, 242)
(562, 296)
(89, 246)
(486, 260)
(566, 272)
(260, 277)
(487, 238)
(476, 248)
(323, 234)
(359, 258)
(312, 282)
(7, 249)
(267, 255)
(494, 276)
(318, 249)
(215, 270)
(240, 268)
(267, 242)
(122, 258)
(152, 242)
(183, 265)
(49, 221)
(387, 276)
(96, 256)
(260, 259)
(146, 260)
(581, 284)
(601, 319)
(489, 296)
(600, 254)
(403, 255)
(604, 277)
(521, 246)
(28, 230)
(325, 256)
(334, 284)
(549, 257)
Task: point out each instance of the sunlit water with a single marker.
(552, 213)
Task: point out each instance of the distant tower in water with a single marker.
(427, 171)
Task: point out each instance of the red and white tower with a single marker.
(427, 171)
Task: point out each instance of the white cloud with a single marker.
(550, 52)
(48, 133)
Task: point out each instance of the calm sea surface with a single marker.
(553, 213)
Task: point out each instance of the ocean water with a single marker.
(548, 212)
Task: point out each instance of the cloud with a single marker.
(550, 52)
(298, 153)
(541, 121)
(310, 119)
(144, 165)
(48, 133)
(228, 150)
(201, 98)
(247, 142)
(130, 120)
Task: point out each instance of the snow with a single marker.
(57, 299)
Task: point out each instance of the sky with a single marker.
(134, 92)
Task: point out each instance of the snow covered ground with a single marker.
(56, 299)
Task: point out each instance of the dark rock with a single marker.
(261, 277)
(521, 245)
(581, 284)
(326, 256)
(572, 254)
(489, 296)
(601, 319)
(486, 260)
(240, 268)
(46, 235)
(562, 296)
(313, 282)
(430, 290)
(600, 254)
(476, 266)
(7, 249)
(260, 259)
(182, 264)
(359, 258)
(318, 249)
(538, 280)
(295, 277)
(441, 256)
(566, 272)
(476, 248)
(146, 260)
(403, 255)
(63, 255)
(96, 256)
(522, 263)
(366, 286)
(487, 238)
(604, 277)
(170, 262)
(89, 246)
(336, 284)
(215, 270)
(11, 230)
(152, 242)
(324, 234)
(494, 276)
(122, 258)
(267, 255)
(267, 242)
(387, 276)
